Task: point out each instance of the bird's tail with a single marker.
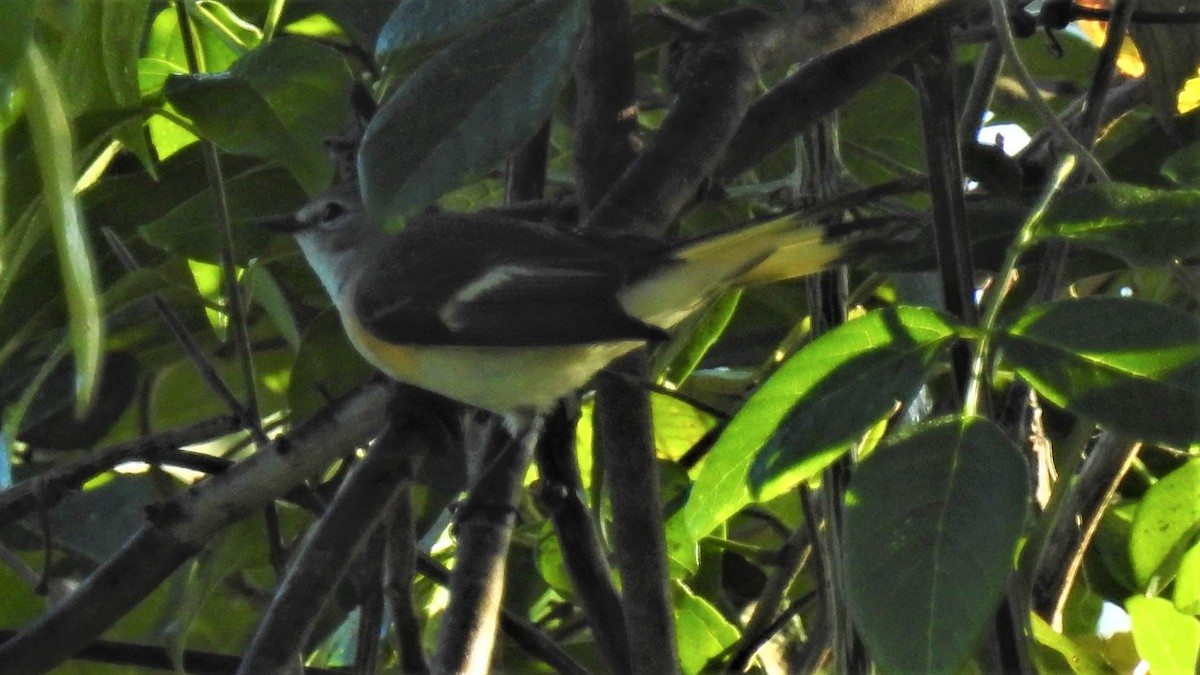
(792, 246)
(786, 247)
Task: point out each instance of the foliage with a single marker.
(871, 490)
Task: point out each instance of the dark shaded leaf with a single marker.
(281, 101)
(1131, 365)
(422, 23)
(932, 520)
(188, 229)
(1183, 167)
(1171, 53)
(1140, 225)
(467, 107)
(15, 29)
(326, 367)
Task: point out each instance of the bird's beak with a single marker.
(284, 223)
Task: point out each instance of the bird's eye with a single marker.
(332, 211)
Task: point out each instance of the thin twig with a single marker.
(975, 106)
(235, 310)
(1043, 111)
(1103, 75)
(48, 489)
(207, 372)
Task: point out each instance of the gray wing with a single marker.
(473, 281)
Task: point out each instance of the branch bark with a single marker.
(181, 526)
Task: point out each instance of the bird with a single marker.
(510, 315)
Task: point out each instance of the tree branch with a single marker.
(361, 502)
(181, 526)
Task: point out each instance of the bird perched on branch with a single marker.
(509, 315)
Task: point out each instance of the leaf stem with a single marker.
(271, 23)
(1005, 36)
(233, 294)
(972, 402)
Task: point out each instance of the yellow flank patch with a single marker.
(500, 379)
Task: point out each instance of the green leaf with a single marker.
(1131, 365)
(1166, 639)
(1187, 582)
(268, 294)
(1171, 52)
(932, 521)
(1166, 525)
(187, 228)
(1140, 225)
(99, 56)
(815, 407)
(327, 366)
(422, 23)
(702, 332)
(677, 426)
(700, 629)
(15, 30)
(468, 107)
(881, 131)
(99, 59)
(281, 101)
(1059, 653)
(164, 56)
(52, 141)
(1183, 167)
(865, 372)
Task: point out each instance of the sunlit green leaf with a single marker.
(700, 629)
(237, 34)
(281, 101)
(1166, 525)
(1166, 639)
(701, 333)
(1131, 365)
(932, 521)
(468, 107)
(677, 425)
(1060, 653)
(164, 56)
(1140, 225)
(52, 139)
(815, 407)
(1187, 582)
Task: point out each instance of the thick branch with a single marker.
(361, 502)
(623, 435)
(561, 497)
(48, 489)
(821, 86)
(477, 584)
